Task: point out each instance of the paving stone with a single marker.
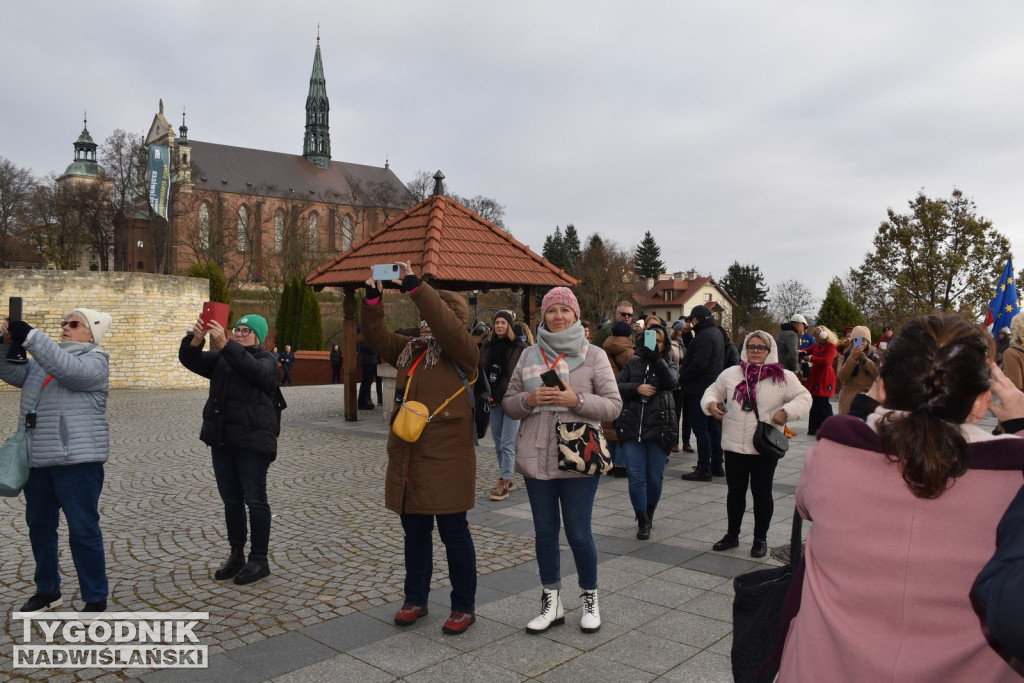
(646, 652)
(705, 666)
(340, 668)
(465, 668)
(593, 668)
(529, 655)
(403, 654)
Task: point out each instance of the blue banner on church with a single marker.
(158, 178)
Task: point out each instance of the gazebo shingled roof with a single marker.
(448, 245)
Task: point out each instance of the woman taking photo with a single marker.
(821, 381)
(858, 367)
(905, 507)
(648, 427)
(758, 382)
(240, 425)
(589, 394)
(498, 358)
(63, 408)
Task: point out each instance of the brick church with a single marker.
(263, 216)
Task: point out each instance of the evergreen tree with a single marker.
(554, 248)
(219, 290)
(745, 284)
(647, 258)
(837, 312)
(311, 324)
(573, 250)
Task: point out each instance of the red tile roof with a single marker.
(449, 244)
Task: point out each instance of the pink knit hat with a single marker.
(560, 295)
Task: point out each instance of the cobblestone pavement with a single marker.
(334, 548)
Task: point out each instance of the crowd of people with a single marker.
(905, 576)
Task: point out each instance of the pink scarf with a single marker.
(752, 374)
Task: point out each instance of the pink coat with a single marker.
(886, 596)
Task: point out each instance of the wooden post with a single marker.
(528, 307)
(352, 369)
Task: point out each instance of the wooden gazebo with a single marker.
(447, 245)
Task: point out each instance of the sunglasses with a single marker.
(73, 324)
(625, 315)
(756, 349)
(244, 331)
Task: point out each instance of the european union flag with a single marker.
(1004, 305)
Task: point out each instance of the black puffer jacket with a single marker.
(240, 413)
(704, 359)
(653, 420)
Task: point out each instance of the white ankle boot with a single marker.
(591, 619)
(551, 613)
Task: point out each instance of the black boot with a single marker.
(254, 570)
(232, 565)
(650, 515)
(643, 526)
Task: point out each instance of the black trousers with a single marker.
(683, 411)
(821, 409)
(757, 471)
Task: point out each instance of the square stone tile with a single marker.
(340, 668)
(691, 577)
(464, 668)
(570, 634)
(275, 656)
(665, 554)
(510, 581)
(404, 653)
(482, 633)
(526, 654)
(711, 604)
(687, 628)
(628, 611)
(659, 592)
(593, 668)
(646, 652)
(715, 563)
(705, 666)
(636, 566)
(350, 631)
(515, 611)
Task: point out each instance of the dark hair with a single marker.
(934, 371)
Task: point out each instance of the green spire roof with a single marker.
(85, 155)
(316, 145)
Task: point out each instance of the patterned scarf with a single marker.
(572, 342)
(752, 374)
(413, 349)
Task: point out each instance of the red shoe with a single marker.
(688, 448)
(458, 622)
(409, 614)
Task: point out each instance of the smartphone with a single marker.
(551, 379)
(385, 272)
(857, 342)
(214, 310)
(651, 339)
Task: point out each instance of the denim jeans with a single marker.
(708, 433)
(576, 496)
(75, 489)
(645, 465)
(504, 430)
(419, 558)
(758, 471)
(242, 482)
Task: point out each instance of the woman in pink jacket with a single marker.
(905, 508)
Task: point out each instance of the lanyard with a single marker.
(413, 368)
(551, 366)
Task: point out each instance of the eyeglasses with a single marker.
(624, 315)
(243, 331)
(73, 324)
(756, 349)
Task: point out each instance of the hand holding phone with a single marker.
(651, 339)
(551, 379)
(386, 272)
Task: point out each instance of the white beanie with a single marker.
(99, 323)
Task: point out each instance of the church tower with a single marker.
(84, 167)
(316, 146)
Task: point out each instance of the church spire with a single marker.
(316, 145)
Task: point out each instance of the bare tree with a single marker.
(421, 186)
(606, 277)
(60, 219)
(123, 156)
(17, 188)
(488, 208)
(789, 297)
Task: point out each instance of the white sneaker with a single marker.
(551, 613)
(590, 622)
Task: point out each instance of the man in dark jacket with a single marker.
(287, 361)
(368, 362)
(788, 341)
(703, 362)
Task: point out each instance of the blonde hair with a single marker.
(830, 335)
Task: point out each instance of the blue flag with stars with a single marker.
(1004, 305)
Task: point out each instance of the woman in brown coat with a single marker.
(435, 476)
(858, 367)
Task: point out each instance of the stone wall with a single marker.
(151, 313)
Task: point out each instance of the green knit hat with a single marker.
(256, 323)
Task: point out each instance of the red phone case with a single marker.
(214, 310)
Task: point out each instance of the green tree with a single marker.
(554, 248)
(837, 312)
(746, 285)
(647, 258)
(311, 327)
(219, 290)
(573, 249)
(941, 256)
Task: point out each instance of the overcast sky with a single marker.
(774, 133)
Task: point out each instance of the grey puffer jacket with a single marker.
(71, 423)
(536, 443)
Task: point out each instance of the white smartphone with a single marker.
(651, 339)
(385, 272)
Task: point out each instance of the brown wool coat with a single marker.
(619, 350)
(437, 474)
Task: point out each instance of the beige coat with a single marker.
(851, 386)
(536, 445)
(437, 474)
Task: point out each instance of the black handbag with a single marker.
(765, 602)
(769, 441)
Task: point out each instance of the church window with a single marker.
(347, 233)
(243, 227)
(314, 231)
(204, 226)
(278, 231)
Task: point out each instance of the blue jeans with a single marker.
(576, 495)
(645, 465)
(419, 558)
(242, 482)
(616, 452)
(504, 430)
(75, 489)
(708, 433)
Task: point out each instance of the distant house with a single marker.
(674, 295)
